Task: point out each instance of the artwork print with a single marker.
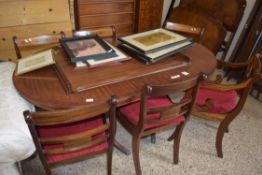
(154, 38)
(86, 47)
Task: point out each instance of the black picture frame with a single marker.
(147, 60)
(86, 47)
(132, 40)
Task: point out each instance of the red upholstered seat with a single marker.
(131, 112)
(69, 129)
(224, 101)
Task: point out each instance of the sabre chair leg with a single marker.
(227, 130)
(135, 150)
(177, 137)
(219, 138)
(109, 162)
(47, 171)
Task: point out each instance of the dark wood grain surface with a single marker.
(101, 13)
(43, 88)
(80, 79)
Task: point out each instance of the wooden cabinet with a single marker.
(97, 13)
(149, 14)
(25, 18)
(128, 16)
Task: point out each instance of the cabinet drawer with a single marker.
(13, 13)
(102, 8)
(7, 33)
(9, 16)
(101, 1)
(7, 54)
(105, 20)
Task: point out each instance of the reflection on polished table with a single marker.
(44, 89)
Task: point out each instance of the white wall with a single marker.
(166, 7)
(250, 4)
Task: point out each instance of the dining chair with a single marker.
(36, 42)
(222, 102)
(228, 12)
(155, 112)
(188, 30)
(107, 32)
(196, 32)
(65, 136)
(213, 37)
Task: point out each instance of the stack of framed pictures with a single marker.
(154, 45)
(91, 50)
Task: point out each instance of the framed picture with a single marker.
(158, 55)
(86, 47)
(153, 40)
(34, 62)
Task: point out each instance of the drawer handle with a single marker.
(50, 10)
(4, 39)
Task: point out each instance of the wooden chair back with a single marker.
(183, 107)
(74, 141)
(229, 12)
(254, 66)
(186, 29)
(28, 43)
(214, 34)
(252, 74)
(108, 32)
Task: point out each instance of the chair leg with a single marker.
(227, 130)
(109, 161)
(219, 138)
(177, 136)
(135, 149)
(46, 167)
(48, 171)
(153, 138)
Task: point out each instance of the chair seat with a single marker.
(60, 157)
(131, 112)
(73, 128)
(224, 101)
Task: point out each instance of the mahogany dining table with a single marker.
(44, 89)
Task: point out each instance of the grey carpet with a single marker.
(242, 148)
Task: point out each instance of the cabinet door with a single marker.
(15, 13)
(149, 14)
